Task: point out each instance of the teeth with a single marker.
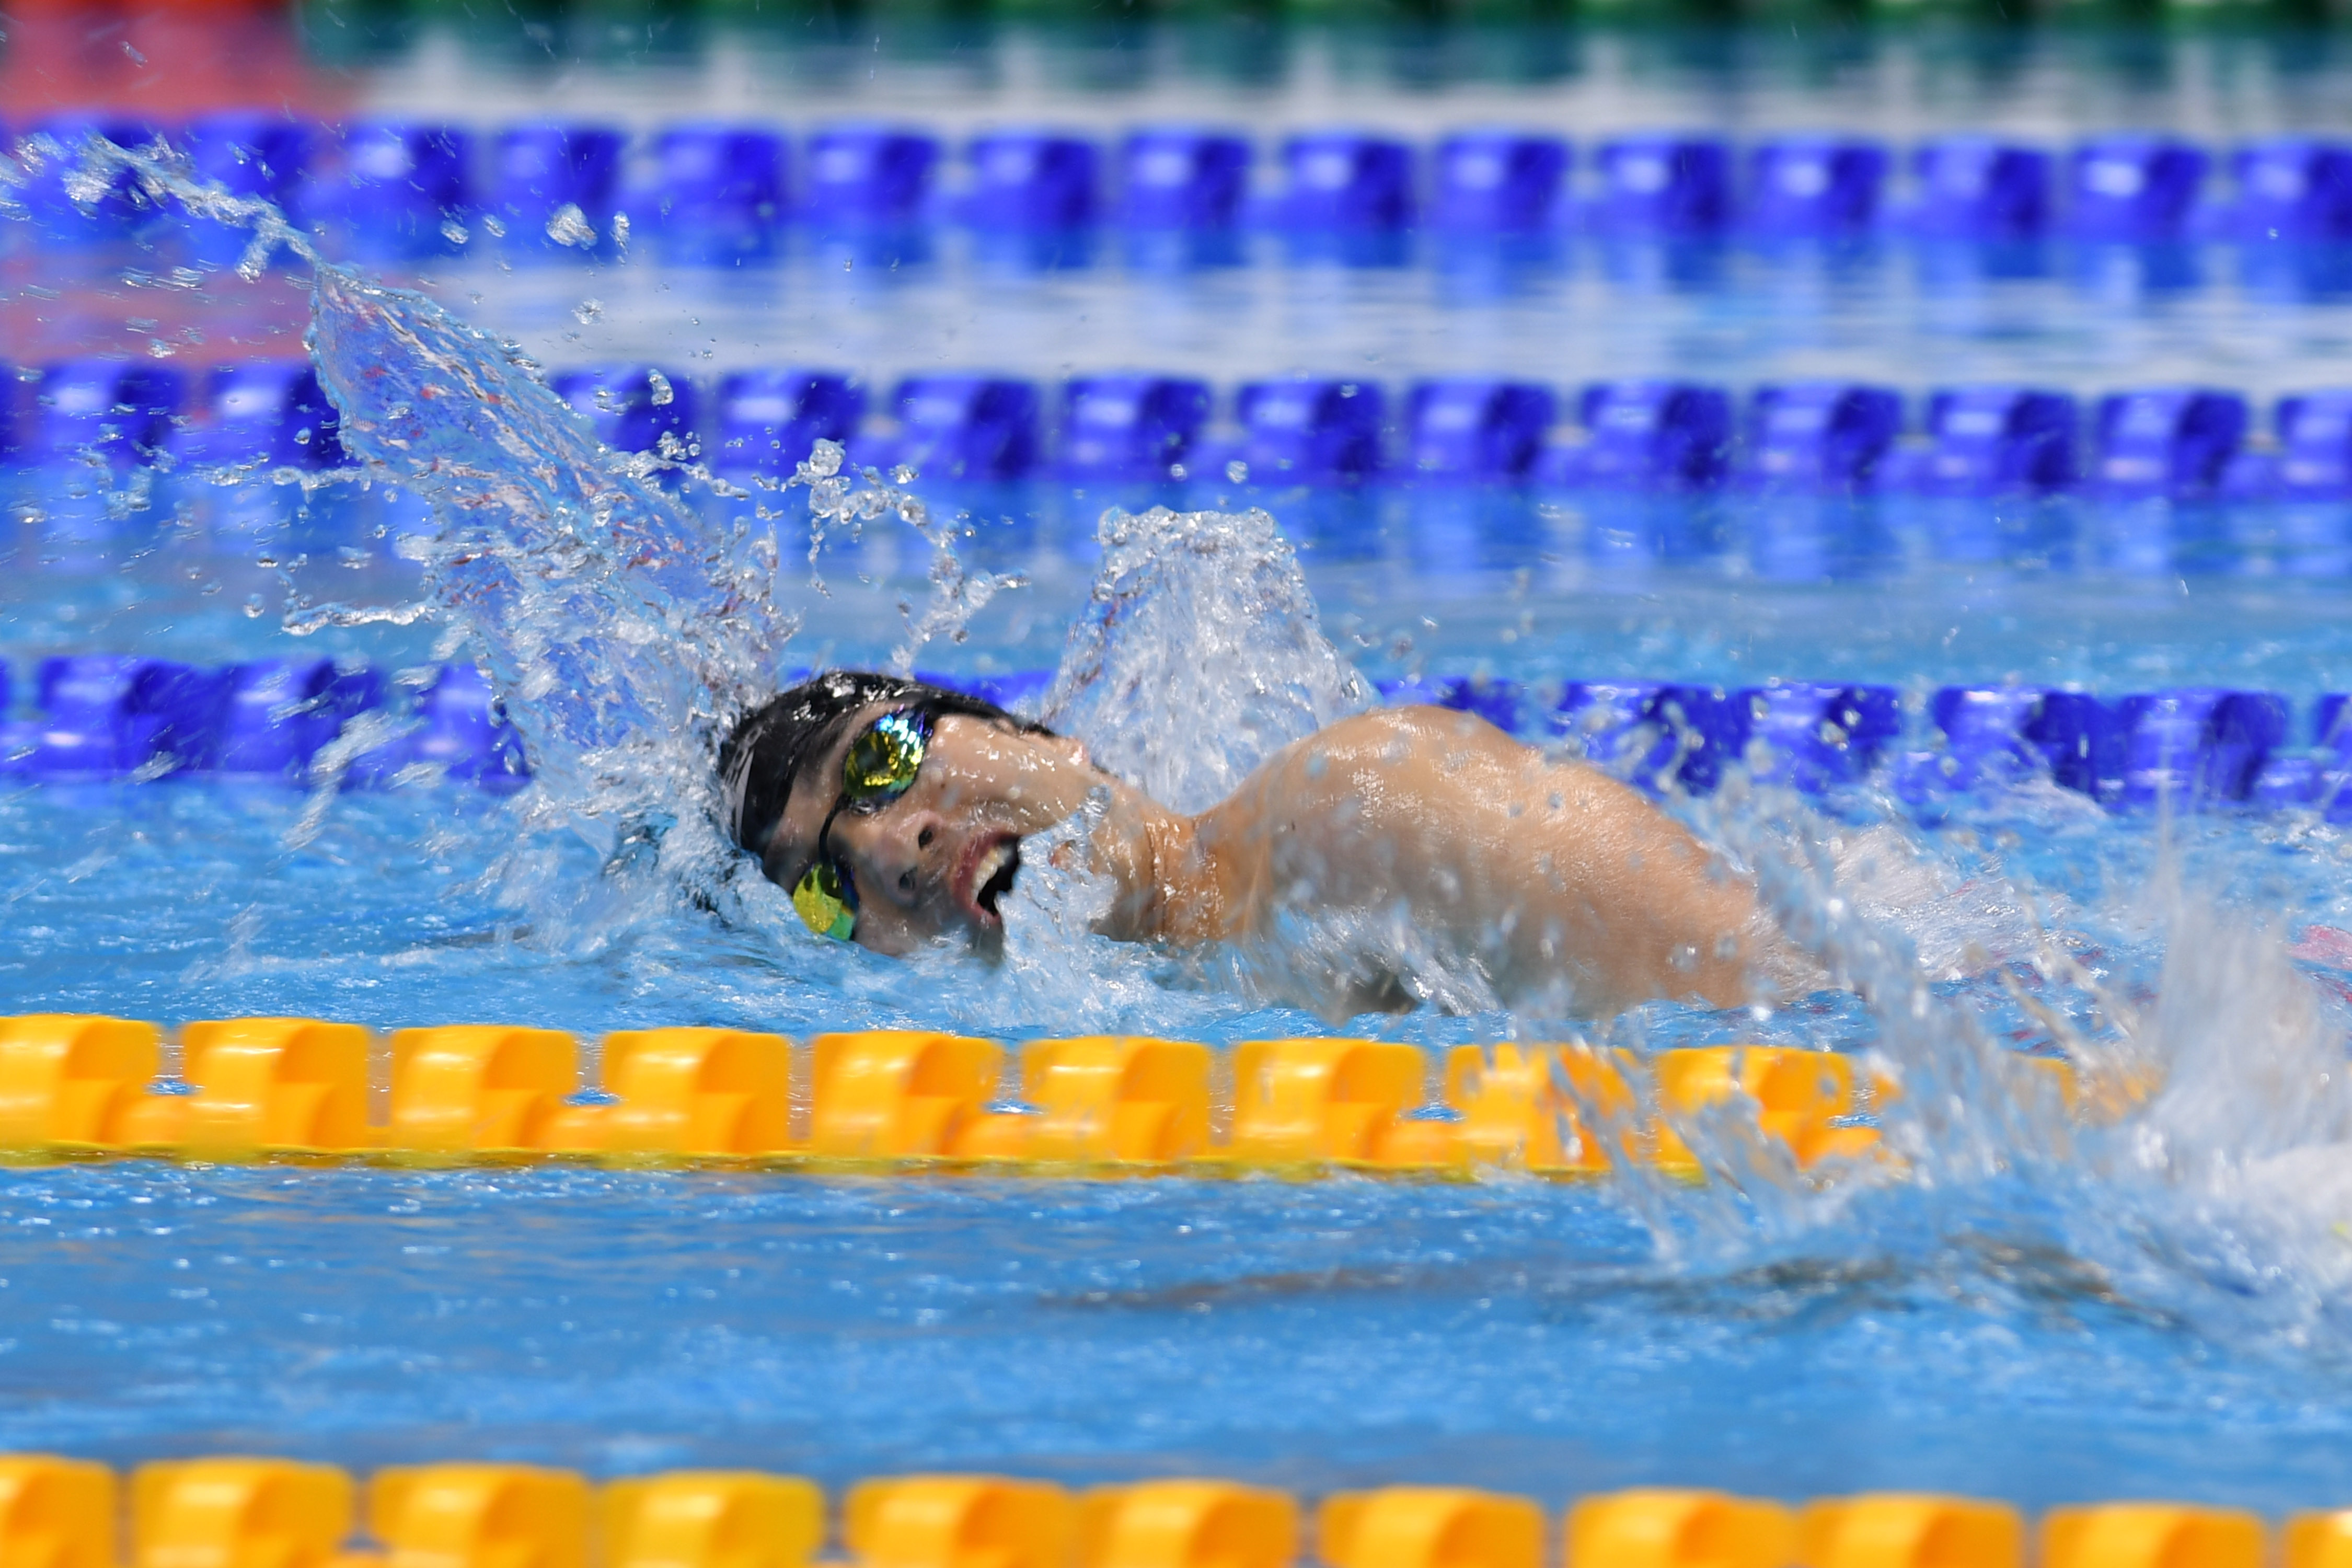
(995, 860)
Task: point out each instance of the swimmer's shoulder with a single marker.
(1381, 727)
(1386, 743)
(1421, 740)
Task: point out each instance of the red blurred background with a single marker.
(159, 59)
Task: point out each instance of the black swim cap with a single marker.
(769, 746)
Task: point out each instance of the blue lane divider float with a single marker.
(272, 413)
(766, 421)
(546, 180)
(1648, 434)
(1345, 180)
(977, 427)
(101, 716)
(1129, 427)
(1815, 187)
(1667, 187)
(1469, 427)
(1980, 190)
(2314, 457)
(1994, 440)
(462, 731)
(723, 193)
(1812, 735)
(1499, 181)
(867, 176)
(1033, 180)
(2295, 188)
(1821, 437)
(2137, 189)
(86, 423)
(1182, 178)
(2167, 441)
(109, 716)
(111, 414)
(1310, 430)
(2194, 748)
(407, 193)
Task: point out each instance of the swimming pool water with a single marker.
(2153, 1309)
(1504, 1334)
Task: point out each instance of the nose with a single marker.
(896, 851)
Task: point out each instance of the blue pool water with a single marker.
(2034, 1312)
(1503, 1334)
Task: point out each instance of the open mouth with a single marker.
(993, 875)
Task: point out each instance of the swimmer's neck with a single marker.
(1171, 886)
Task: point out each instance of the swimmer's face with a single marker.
(938, 860)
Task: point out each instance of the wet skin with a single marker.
(1557, 883)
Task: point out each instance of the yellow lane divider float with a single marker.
(250, 1089)
(277, 1513)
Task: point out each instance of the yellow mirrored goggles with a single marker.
(880, 767)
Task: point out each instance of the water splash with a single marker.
(1200, 653)
(2198, 1173)
(839, 505)
(622, 627)
(88, 173)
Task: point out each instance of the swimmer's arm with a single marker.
(1557, 875)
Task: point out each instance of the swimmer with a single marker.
(897, 812)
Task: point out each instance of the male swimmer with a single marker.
(896, 812)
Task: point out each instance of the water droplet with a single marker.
(569, 226)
